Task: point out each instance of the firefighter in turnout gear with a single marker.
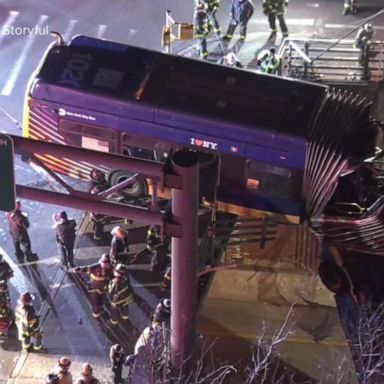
(18, 227)
(28, 323)
(269, 62)
(117, 358)
(157, 249)
(166, 283)
(363, 41)
(5, 308)
(99, 276)
(120, 294)
(97, 218)
(61, 371)
(212, 6)
(200, 21)
(350, 6)
(65, 230)
(119, 246)
(276, 9)
(241, 12)
(6, 271)
(162, 313)
(86, 376)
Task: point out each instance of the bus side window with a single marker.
(268, 178)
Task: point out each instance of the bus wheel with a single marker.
(138, 188)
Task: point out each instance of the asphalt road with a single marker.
(24, 36)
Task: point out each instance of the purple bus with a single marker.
(252, 131)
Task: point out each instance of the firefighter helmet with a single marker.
(120, 269)
(119, 232)
(117, 348)
(166, 303)
(26, 298)
(64, 362)
(87, 369)
(3, 286)
(105, 258)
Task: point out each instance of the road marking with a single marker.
(101, 30)
(68, 32)
(8, 87)
(302, 22)
(12, 16)
(18, 280)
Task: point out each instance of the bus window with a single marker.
(88, 136)
(269, 178)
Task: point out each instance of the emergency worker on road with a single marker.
(162, 313)
(200, 21)
(119, 246)
(28, 323)
(6, 271)
(18, 227)
(269, 62)
(276, 9)
(5, 308)
(363, 41)
(350, 6)
(241, 12)
(61, 371)
(212, 6)
(65, 230)
(117, 357)
(120, 294)
(86, 376)
(97, 218)
(99, 276)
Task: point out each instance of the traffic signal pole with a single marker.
(185, 202)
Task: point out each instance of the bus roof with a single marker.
(102, 74)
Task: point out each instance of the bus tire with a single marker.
(138, 189)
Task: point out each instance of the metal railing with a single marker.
(329, 60)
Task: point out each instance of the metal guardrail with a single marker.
(341, 62)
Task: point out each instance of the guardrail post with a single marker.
(184, 250)
(306, 50)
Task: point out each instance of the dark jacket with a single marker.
(98, 277)
(241, 11)
(18, 224)
(66, 231)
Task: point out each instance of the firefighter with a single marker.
(97, 218)
(65, 230)
(269, 62)
(100, 274)
(276, 9)
(350, 6)
(166, 283)
(162, 313)
(28, 323)
(119, 245)
(61, 371)
(200, 21)
(97, 177)
(230, 60)
(117, 357)
(5, 308)
(363, 40)
(86, 376)
(241, 12)
(212, 6)
(157, 249)
(120, 294)
(6, 271)
(18, 227)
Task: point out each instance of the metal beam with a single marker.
(184, 259)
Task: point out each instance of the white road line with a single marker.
(69, 31)
(302, 22)
(12, 16)
(8, 87)
(101, 30)
(18, 280)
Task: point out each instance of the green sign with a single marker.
(7, 174)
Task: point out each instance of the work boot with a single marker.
(272, 36)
